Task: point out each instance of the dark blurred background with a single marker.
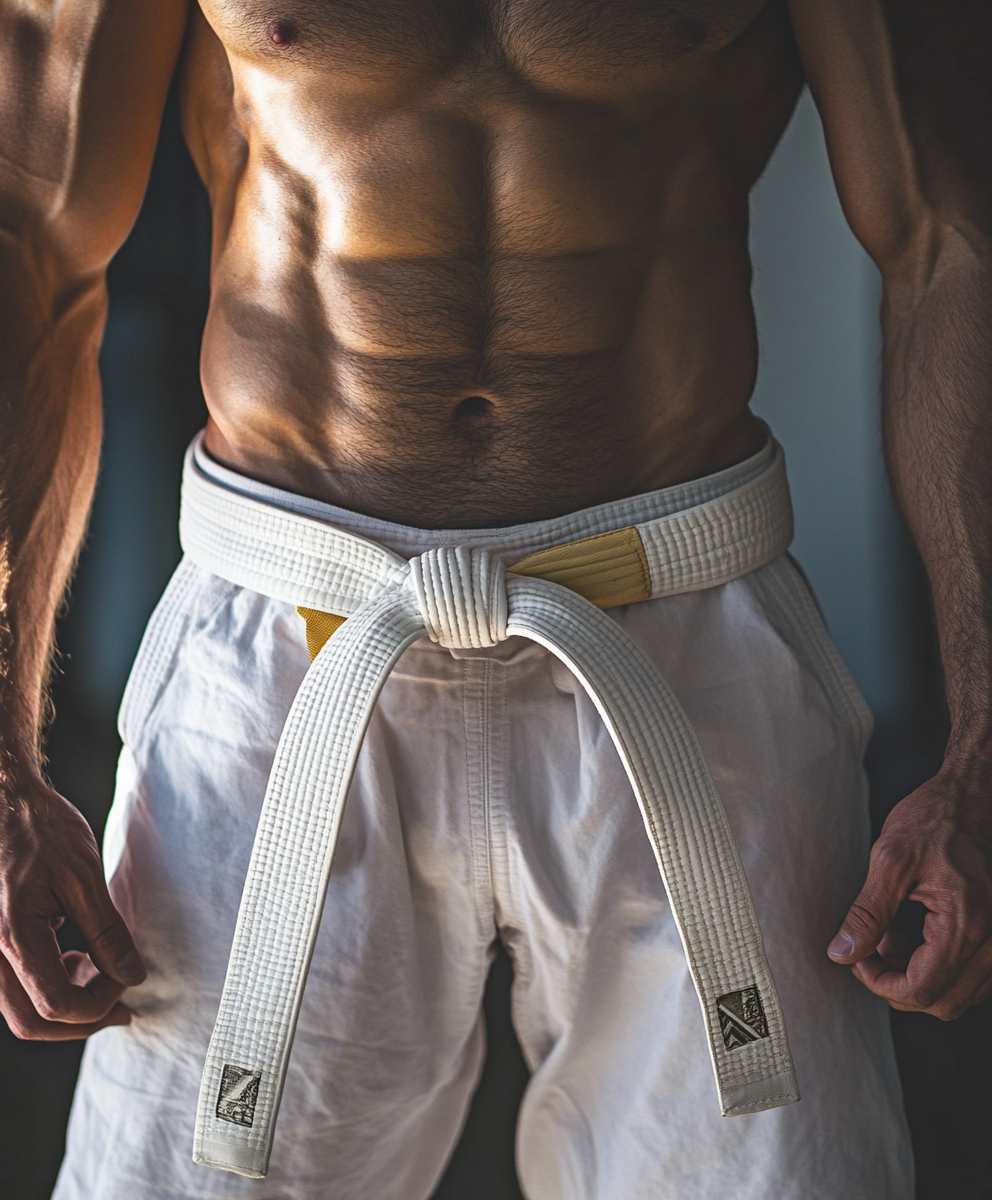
(816, 296)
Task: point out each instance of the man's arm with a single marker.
(905, 91)
(82, 86)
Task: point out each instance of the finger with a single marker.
(82, 971)
(974, 986)
(933, 969)
(971, 985)
(107, 937)
(889, 880)
(32, 954)
(24, 1020)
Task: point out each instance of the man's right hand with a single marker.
(50, 870)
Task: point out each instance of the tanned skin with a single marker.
(485, 261)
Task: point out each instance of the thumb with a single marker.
(871, 914)
(108, 939)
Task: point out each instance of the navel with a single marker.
(475, 406)
(282, 32)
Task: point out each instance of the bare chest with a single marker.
(569, 44)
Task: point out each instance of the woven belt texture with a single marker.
(467, 596)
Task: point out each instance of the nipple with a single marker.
(692, 33)
(282, 32)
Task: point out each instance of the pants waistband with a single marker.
(507, 541)
(678, 539)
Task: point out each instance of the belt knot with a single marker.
(462, 596)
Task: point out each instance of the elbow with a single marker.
(41, 274)
(928, 251)
(903, 243)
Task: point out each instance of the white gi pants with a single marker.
(489, 799)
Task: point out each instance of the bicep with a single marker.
(904, 88)
(82, 87)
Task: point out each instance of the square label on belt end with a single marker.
(742, 1018)
(238, 1095)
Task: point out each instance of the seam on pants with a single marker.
(497, 749)
(510, 896)
(792, 596)
(156, 657)
(476, 783)
(513, 894)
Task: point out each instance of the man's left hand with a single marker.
(936, 849)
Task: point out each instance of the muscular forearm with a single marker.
(937, 418)
(936, 845)
(900, 86)
(79, 116)
(50, 325)
(50, 329)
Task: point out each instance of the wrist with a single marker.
(20, 761)
(20, 749)
(969, 744)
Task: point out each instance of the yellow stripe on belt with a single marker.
(607, 569)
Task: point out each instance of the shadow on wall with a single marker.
(816, 297)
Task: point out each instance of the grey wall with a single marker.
(817, 294)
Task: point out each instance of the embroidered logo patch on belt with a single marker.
(742, 1018)
(238, 1095)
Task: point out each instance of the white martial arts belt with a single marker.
(465, 597)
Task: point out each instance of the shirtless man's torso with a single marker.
(487, 263)
(484, 262)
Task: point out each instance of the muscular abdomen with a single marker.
(454, 287)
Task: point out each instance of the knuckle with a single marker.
(975, 932)
(50, 1010)
(947, 1008)
(890, 856)
(84, 889)
(923, 998)
(24, 1026)
(860, 918)
(112, 934)
(8, 939)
